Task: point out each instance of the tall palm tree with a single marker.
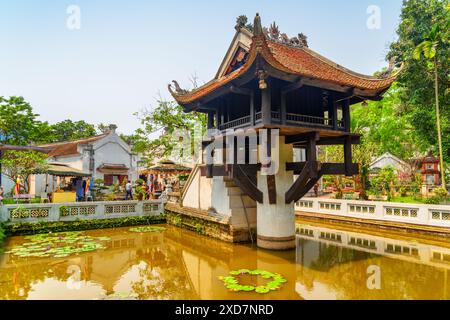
(436, 38)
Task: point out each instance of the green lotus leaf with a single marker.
(262, 289)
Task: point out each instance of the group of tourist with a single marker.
(152, 189)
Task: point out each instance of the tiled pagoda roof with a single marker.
(298, 61)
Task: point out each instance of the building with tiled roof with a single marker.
(269, 84)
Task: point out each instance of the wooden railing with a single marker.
(235, 123)
(291, 118)
(299, 118)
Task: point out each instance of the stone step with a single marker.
(237, 202)
(234, 191)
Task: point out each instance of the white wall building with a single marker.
(105, 156)
(389, 159)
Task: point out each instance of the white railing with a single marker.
(419, 214)
(79, 211)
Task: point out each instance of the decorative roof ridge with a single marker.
(392, 74)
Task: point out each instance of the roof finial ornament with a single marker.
(257, 27)
(241, 22)
(178, 90)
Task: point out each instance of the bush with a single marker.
(79, 225)
(2, 235)
(433, 200)
(9, 201)
(441, 193)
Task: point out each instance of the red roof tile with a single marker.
(293, 60)
(67, 148)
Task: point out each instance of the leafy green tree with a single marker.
(437, 39)
(72, 130)
(23, 164)
(384, 181)
(424, 20)
(158, 136)
(386, 128)
(18, 124)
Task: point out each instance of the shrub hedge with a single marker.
(2, 235)
(79, 225)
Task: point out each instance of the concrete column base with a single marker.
(276, 243)
(276, 222)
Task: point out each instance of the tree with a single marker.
(23, 164)
(384, 180)
(161, 128)
(416, 84)
(72, 130)
(437, 38)
(386, 128)
(18, 124)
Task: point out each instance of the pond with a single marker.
(330, 262)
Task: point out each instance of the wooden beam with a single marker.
(223, 171)
(330, 141)
(243, 181)
(298, 185)
(242, 91)
(325, 169)
(346, 113)
(272, 189)
(308, 186)
(266, 105)
(283, 109)
(252, 108)
(210, 171)
(303, 137)
(210, 120)
(348, 156)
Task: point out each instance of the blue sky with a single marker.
(126, 52)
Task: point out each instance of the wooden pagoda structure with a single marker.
(270, 81)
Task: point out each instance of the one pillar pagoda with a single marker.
(270, 82)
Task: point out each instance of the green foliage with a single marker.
(183, 176)
(157, 137)
(385, 128)
(231, 282)
(58, 245)
(18, 124)
(2, 235)
(63, 211)
(79, 225)
(382, 183)
(72, 130)
(23, 164)
(424, 28)
(433, 200)
(147, 229)
(441, 193)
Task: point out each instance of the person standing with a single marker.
(129, 190)
(79, 189)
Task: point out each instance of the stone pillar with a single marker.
(276, 222)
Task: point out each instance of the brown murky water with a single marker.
(330, 262)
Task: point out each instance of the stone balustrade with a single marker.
(409, 213)
(79, 211)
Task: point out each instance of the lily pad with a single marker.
(58, 245)
(231, 282)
